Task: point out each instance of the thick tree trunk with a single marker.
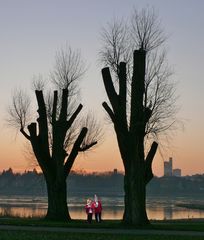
(135, 200)
(57, 200)
(134, 184)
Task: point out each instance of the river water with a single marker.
(158, 207)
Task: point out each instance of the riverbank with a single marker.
(191, 206)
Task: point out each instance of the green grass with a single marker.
(72, 224)
(199, 227)
(29, 235)
(185, 225)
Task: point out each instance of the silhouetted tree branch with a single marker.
(19, 111)
(146, 30)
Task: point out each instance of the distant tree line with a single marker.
(104, 184)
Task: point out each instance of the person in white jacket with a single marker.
(97, 208)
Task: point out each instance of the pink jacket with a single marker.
(97, 207)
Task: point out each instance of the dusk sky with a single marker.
(32, 32)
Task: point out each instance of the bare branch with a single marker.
(109, 111)
(75, 149)
(54, 108)
(87, 147)
(113, 96)
(38, 83)
(146, 30)
(116, 46)
(68, 70)
(29, 155)
(74, 115)
(95, 131)
(148, 162)
(19, 110)
(25, 134)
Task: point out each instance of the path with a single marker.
(102, 230)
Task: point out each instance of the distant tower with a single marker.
(168, 167)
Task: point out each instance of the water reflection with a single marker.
(24, 212)
(157, 207)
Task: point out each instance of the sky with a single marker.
(32, 32)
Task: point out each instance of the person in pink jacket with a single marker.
(97, 208)
(89, 210)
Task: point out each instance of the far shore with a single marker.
(191, 206)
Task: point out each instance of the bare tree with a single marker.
(55, 139)
(38, 83)
(142, 98)
(146, 30)
(116, 45)
(19, 110)
(68, 70)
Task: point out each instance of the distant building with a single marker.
(115, 171)
(177, 172)
(168, 170)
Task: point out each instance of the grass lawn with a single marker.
(179, 226)
(185, 225)
(29, 235)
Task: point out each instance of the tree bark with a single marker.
(134, 183)
(135, 197)
(57, 200)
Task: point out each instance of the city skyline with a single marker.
(33, 31)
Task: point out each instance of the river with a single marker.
(158, 207)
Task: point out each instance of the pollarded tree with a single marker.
(142, 101)
(55, 139)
